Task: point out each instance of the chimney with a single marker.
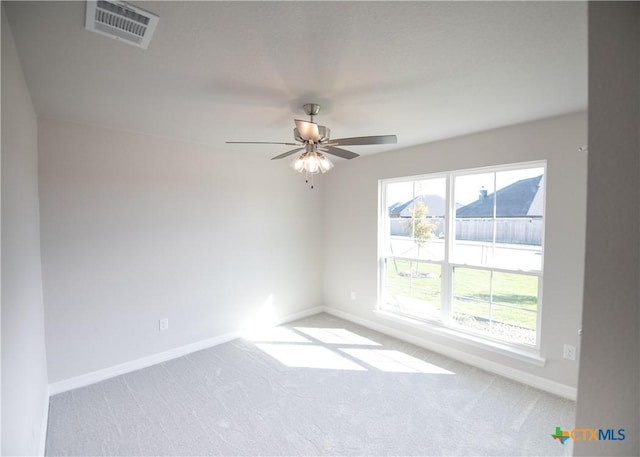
(483, 194)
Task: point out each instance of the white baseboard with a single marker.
(133, 365)
(144, 362)
(43, 427)
(517, 375)
(300, 315)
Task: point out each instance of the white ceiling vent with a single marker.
(121, 21)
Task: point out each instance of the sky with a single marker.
(467, 186)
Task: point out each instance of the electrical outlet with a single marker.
(569, 352)
(164, 324)
(353, 295)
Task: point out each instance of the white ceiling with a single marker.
(218, 71)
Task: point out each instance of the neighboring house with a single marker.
(519, 210)
(399, 212)
(521, 199)
(435, 204)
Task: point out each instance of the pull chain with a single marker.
(307, 179)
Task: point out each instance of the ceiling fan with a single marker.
(315, 141)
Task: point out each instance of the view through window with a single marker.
(465, 249)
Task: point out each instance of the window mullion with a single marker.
(495, 216)
(490, 301)
(446, 283)
(383, 242)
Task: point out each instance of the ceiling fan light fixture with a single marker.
(312, 163)
(298, 163)
(324, 162)
(313, 138)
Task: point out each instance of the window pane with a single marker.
(515, 308)
(471, 298)
(416, 218)
(398, 239)
(519, 223)
(513, 239)
(504, 305)
(474, 229)
(517, 194)
(413, 287)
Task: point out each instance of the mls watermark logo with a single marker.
(560, 435)
(589, 434)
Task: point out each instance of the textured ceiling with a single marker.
(218, 71)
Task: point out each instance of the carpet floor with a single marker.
(317, 386)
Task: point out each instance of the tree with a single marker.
(420, 228)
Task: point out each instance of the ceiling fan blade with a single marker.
(287, 154)
(259, 142)
(358, 140)
(307, 130)
(340, 152)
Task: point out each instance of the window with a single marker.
(465, 249)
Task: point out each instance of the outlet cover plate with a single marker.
(569, 352)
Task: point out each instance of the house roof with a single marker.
(435, 204)
(520, 199)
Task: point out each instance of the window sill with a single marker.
(523, 354)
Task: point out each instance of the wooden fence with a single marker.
(509, 230)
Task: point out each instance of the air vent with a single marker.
(121, 21)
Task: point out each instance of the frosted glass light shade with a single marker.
(312, 162)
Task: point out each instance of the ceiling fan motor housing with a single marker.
(324, 133)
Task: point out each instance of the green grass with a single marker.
(508, 288)
(514, 295)
(414, 286)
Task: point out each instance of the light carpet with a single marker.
(318, 386)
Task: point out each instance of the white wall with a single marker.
(137, 228)
(24, 375)
(351, 211)
(609, 373)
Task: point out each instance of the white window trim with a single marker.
(520, 351)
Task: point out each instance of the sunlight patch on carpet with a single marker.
(275, 335)
(336, 336)
(307, 356)
(394, 361)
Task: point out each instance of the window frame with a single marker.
(444, 324)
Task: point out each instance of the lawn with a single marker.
(514, 297)
(415, 288)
